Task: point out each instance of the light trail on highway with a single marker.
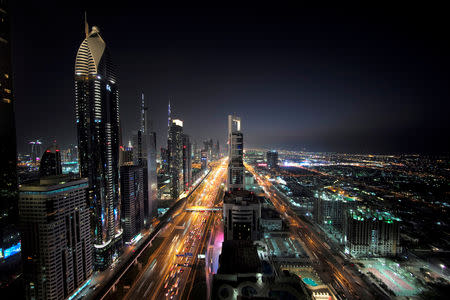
(168, 269)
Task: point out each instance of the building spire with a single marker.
(143, 117)
(86, 26)
(168, 123)
(169, 115)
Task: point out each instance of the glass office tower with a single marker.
(98, 128)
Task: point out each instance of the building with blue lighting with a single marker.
(132, 194)
(98, 128)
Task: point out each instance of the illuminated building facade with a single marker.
(132, 193)
(50, 162)
(56, 239)
(235, 178)
(272, 159)
(371, 233)
(330, 207)
(175, 149)
(126, 155)
(8, 155)
(187, 162)
(144, 155)
(204, 158)
(98, 128)
(165, 160)
(70, 154)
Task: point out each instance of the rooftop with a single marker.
(237, 196)
(53, 184)
(269, 214)
(363, 213)
(239, 256)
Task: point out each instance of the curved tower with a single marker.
(98, 128)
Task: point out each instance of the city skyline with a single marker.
(304, 79)
(305, 154)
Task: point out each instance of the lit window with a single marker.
(6, 100)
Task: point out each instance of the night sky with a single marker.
(372, 79)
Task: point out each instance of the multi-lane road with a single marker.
(331, 265)
(169, 267)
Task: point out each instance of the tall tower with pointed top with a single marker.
(144, 143)
(143, 114)
(98, 128)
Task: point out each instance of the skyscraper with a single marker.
(126, 155)
(175, 149)
(98, 128)
(272, 159)
(144, 143)
(132, 193)
(8, 155)
(235, 179)
(35, 150)
(370, 232)
(50, 162)
(208, 146)
(217, 150)
(56, 239)
(204, 159)
(187, 162)
(165, 160)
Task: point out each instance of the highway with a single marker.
(169, 267)
(102, 285)
(331, 268)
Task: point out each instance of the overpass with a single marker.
(203, 208)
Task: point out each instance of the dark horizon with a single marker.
(355, 81)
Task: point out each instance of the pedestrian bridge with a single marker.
(203, 208)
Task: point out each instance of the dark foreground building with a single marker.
(241, 215)
(241, 273)
(50, 162)
(9, 238)
(56, 239)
